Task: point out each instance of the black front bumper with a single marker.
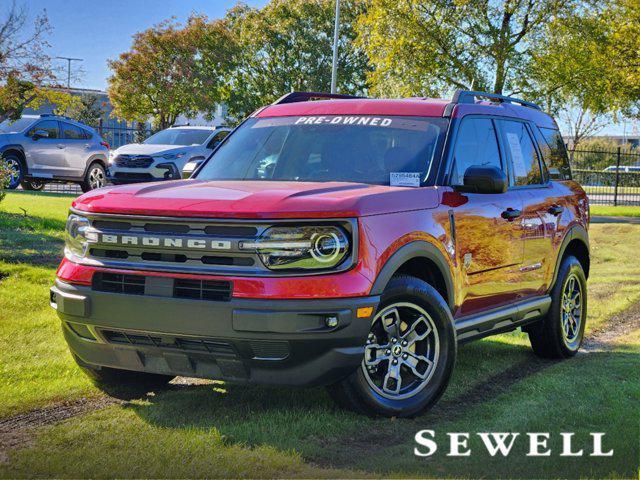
(283, 342)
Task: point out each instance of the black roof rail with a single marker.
(469, 96)
(294, 97)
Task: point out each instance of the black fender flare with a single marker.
(576, 232)
(416, 249)
(92, 159)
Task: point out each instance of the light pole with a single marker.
(334, 68)
(69, 60)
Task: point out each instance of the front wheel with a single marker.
(96, 177)
(409, 354)
(16, 170)
(561, 331)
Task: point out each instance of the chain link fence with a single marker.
(610, 177)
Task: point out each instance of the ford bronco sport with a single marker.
(337, 241)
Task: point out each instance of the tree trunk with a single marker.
(498, 87)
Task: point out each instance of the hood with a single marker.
(256, 199)
(144, 149)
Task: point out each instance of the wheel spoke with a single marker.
(414, 360)
(392, 380)
(374, 354)
(391, 322)
(412, 336)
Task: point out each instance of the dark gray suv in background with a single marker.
(46, 148)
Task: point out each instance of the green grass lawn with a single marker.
(619, 211)
(219, 430)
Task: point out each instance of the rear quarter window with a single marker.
(554, 153)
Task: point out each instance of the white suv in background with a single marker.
(163, 155)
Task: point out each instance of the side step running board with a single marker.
(501, 320)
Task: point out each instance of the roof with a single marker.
(410, 107)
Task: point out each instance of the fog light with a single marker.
(331, 322)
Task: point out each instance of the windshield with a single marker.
(363, 149)
(179, 136)
(9, 126)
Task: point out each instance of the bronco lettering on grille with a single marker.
(166, 242)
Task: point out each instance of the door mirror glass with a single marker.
(40, 134)
(484, 180)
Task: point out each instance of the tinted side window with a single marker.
(217, 138)
(525, 166)
(86, 134)
(50, 126)
(477, 145)
(71, 131)
(555, 154)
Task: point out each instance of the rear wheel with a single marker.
(409, 354)
(560, 333)
(33, 184)
(16, 170)
(96, 177)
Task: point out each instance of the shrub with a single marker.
(5, 175)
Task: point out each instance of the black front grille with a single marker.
(130, 161)
(133, 176)
(187, 344)
(210, 290)
(119, 283)
(269, 350)
(216, 290)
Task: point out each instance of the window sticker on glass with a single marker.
(404, 179)
(520, 169)
(345, 120)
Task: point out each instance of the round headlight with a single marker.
(78, 235)
(325, 247)
(301, 248)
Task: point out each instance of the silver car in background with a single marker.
(46, 148)
(164, 155)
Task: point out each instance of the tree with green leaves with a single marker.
(172, 70)
(287, 45)
(428, 47)
(25, 71)
(88, 110)
(587, 68)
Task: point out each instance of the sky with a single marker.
(97, 31)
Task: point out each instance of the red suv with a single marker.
(339, 241)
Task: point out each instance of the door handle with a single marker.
(86, 145)
(60, 145)
(511, 214)
(555, 210)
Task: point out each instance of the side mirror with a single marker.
(40, 134)
(190, 167)
(484, 180)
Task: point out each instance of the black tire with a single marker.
(96, 177)
(549, 338)
(359, 391)
(16, 162)
(34, 185)
(123, 383)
